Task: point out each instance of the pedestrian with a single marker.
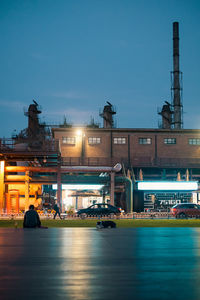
(31, 218)
(57, 211)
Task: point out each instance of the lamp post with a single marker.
(81, 134)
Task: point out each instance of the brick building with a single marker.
(149, 154)
(150, 149)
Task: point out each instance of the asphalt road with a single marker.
(86, 263)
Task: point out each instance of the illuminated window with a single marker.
(69, 140)
(144, 141)
(170, 141)
(120, 140)
(94, 140)
(194, 141)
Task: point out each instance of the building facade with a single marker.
(146, 154)
(136, 148)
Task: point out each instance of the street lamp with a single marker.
(79, 132)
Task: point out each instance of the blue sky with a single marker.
(71, 56)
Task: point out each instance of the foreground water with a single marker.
(86, 263)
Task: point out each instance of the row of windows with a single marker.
(94, 140)
(194, 141)
(170, 141)
(69, 140)
(145, 141)
(72, 140)
(122, 140)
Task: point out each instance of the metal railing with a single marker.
(141, 215)
(9, 145)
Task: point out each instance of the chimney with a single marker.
(176, 79)
(107, 115)
(166, 114)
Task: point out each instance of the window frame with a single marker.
(167, 141)
(119, 140)
(197, 143)
(143, 139)
(69, 140)
(93, 140)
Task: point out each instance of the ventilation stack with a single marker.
(166, 114)
(107, 115)
(176, 96)
(33, 121)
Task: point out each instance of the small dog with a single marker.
(105, 224)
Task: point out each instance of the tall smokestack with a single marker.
(176, 79)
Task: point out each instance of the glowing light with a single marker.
(79, 187)
(2, 166)
(79, 132)
(168, 185)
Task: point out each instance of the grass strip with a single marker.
(130, 223)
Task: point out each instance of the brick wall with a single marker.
(138, 154)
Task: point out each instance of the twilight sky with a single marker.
(71, 56)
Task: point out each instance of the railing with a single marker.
(89, 161)
(9, 146)
(178, 162)
(142, 215)
(104, 161)
(145, 161)
(134, 162)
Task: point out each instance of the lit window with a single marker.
(144, 141)
(170, 141)
(194, 141)
(69, 140)
(120, 140)
(94, 140)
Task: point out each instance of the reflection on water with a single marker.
(94, 261)
(9, 250)
(76, 248)
(145, 262)
(167, 259)
(85, 263)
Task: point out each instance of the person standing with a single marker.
(57, 211)
(31, 218)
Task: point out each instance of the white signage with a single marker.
(168, 185)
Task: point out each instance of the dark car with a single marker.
(99, 209)
(185, 210)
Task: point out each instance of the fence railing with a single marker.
(134, 162)
(142, 215)
(9, 145)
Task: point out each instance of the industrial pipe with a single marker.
(64, 169)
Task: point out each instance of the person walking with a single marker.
(57, 211)
(31, 218)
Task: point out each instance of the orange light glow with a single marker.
(79, 132)
(2, 166)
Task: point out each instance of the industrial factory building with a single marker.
(135, 169)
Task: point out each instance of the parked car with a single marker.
(185, 210)
(99, 209)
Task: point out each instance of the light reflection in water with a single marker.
(126, 263)
(77, 248)
(98, 263)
